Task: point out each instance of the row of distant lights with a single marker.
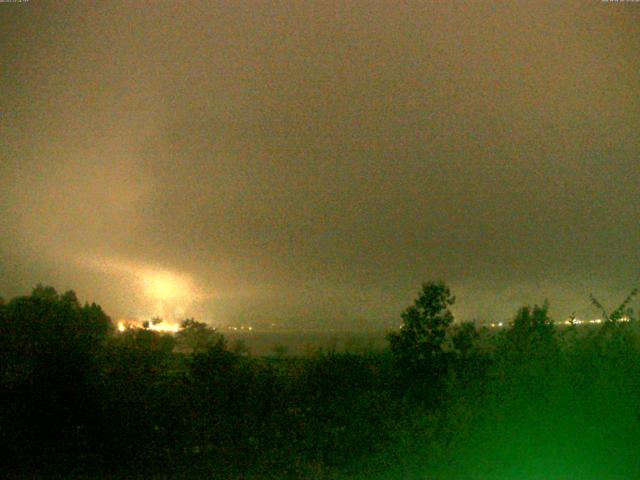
(247, 328)
(575, 321)
(242, 328)
(171, 328)
(160, 327)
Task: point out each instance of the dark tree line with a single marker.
(444, 399)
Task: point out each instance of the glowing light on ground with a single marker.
(162, 327)
(165, 327)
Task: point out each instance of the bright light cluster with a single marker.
(124, 325)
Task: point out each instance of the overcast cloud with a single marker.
(312, 163)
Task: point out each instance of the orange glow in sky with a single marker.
(162, 292)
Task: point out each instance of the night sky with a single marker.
(312, 163)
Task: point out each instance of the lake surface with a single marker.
(305, 342)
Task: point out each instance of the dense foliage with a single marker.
(443, 401)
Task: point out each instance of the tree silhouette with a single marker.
(49, 348)
(417, 347)
(424, 324)
(280, 350)
(623, 310)
(463, 338)
(531, 328)
(198, 337)
(529, 353)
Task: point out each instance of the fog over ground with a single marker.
(312, 163)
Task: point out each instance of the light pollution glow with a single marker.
(166, 294)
